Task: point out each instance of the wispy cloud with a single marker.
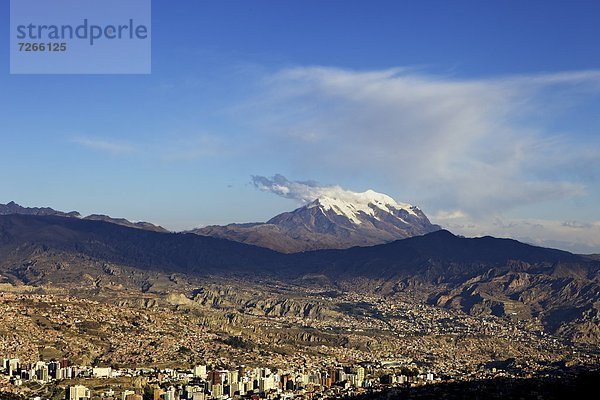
(301, 191)
(307, 191)
(472, 152)
(574, 236)
(474, 145)
(169, 148)
(192, 147)
(104, 145)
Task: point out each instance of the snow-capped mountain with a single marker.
(367, 203)
(359, 219)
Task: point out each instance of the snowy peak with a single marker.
(369, 203)
(358, 219)
(337, 219)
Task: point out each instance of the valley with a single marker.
(100, 294)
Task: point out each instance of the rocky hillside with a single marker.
(555, 290)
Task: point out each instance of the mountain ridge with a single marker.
(479, 276)
(14, 208)
(366, 219)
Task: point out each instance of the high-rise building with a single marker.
(12, 366)
(198, 396)
(217, 390)
(236, 388)
(360, 376)
(53, 369)
(200, 371)
(233, 377)
(351, 379)
(102, 372)
(78, 392)
(266, 384)
(42, 372)
(169, 394)
(218, 377)
(126, 393)
(190, 390)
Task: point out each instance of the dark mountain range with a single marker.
(186, 252)
(365, 219)
(122, 221)
(411, 255)
(14, 208)
(480, 276)
(166, 252)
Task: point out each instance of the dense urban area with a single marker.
(61, 346)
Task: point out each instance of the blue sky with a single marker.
(485, 115)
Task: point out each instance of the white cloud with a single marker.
(469, 151)
(306, 192)
(574, 236)
(449, 215)
(447, 142)
(169, 148)
(303, 191)
(105, 145)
